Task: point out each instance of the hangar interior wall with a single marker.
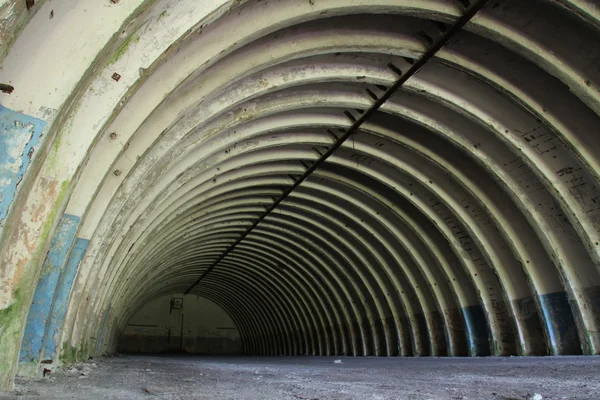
(197, 326)
(348, 177)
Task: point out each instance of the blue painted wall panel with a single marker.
(61, 300)
(477, 332)
(561, 326)
(19, 136)
(39, 311)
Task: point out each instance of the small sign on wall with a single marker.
(177, 303)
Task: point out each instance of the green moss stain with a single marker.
(11, 325)
(7, 314)
(50, 220)
(163, 14)
(68, 354)
(11, 313)
(132, 38)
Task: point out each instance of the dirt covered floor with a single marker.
(195, 377)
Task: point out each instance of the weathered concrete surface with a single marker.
(192, 377)
(14, 15)
(19, 277)
(462, 218)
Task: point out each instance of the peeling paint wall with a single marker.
(46, 91)
(20, 135)
(40, 312)
(59, 307)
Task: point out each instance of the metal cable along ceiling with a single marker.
(286, 180)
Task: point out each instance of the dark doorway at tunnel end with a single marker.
(180, 324)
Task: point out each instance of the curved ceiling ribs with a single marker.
(342, 180)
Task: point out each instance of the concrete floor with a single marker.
(196, 377)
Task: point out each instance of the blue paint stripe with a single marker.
(19, 136)
(39, 311)
(477, 332)
(61, 300)
(102, 329)
(560, 324)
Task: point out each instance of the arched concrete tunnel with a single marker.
(361, 178)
